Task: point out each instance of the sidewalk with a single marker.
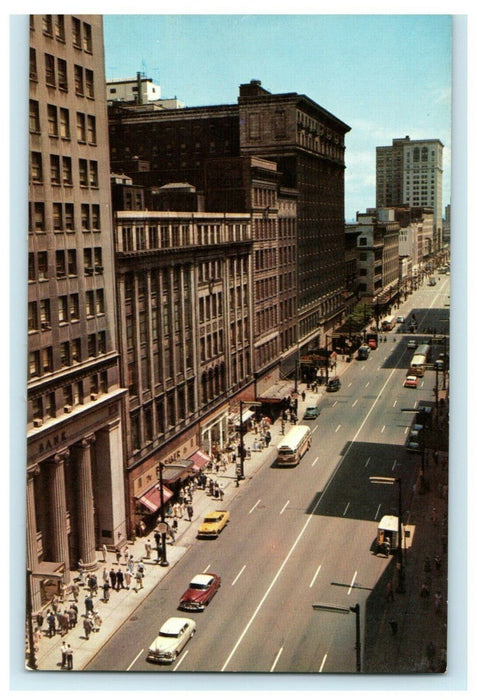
(122, 604)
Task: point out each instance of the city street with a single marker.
(302, 536)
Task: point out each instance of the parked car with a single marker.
(201, 590)
(214, 523)
(411, 381)
(412, 344)
(311, 413)
(400, 319)
(333, 384)
(172, 638)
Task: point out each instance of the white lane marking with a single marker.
(315, 461)
(206, 568)
(300, 534)
(334, 404)
(252, 509)
(367, 462)
(133, 662)
(376, 515)
(180, 660)
(346, 509)
(394, 465)
(338, 428)
(352, 582)
(383, 428)
(315, 428)
(284, 507)
(366, 385)
(350, 384)
(415, 404)
(314, 577)
(276, 660)
(323, 663)
(239, 574)
(405, 430)
(394, 404)
(354, 404)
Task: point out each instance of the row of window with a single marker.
(65, 263)
(70, 352)
(40, 316)
(58, 121)
(56, 75)
(61, 170)
(63, 217)
(72, 395)
(54, 26)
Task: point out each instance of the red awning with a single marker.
(152, 498)
(200, 459)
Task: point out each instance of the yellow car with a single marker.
(214, 523)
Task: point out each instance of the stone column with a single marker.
(31, 544)
(59, 536)
(85, 503)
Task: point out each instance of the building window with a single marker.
(99, 301)
(64, 123)
(83, 172)
(87, 38)
(93, 173)
(89, 79)
(47, 24)
(42, 265)
(81, 127)
(76, 350)
(63, 309)
(45, 315)
(52, 114)
(36, 168)
(34, 116)
(34, 364)
(32, 316)
(33, 68)
(69, 217)
(74, 307)
(67, 171)
(39, 217)
(76, 29)
(92, 345)
(91, 129)
(79, 80)
(54, 169)
(65, 354)
(89, 303)
(62, 75)
(60, 27)
(72, 267)
(96, 221)
(85, 217)
(60, 263)
(57, 217)
(47, 360)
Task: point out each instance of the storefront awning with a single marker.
(200, 459)
(177, 471)
(277, 392)
(152, 498)
(246, 415)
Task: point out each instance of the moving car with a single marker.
(411, 344)
(201, 590)
(363, 352)
(172, 638)
(411, 381)
(214, 523)
(333, 384)
(311, 413)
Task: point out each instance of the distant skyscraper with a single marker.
(410, 172)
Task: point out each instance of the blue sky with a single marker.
(386, 76)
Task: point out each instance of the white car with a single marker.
(412, 344)
(172, 638)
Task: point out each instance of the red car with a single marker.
(411, 381)
(201, 590)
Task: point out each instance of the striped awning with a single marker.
(200, 459)
(151, 499)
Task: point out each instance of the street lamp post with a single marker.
(241, 470)
(346, 611)
(164, 561)
(393, 481)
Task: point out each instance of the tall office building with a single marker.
(156, 146)
(410, 172)
(75, 482)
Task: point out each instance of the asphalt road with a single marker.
(301, 536)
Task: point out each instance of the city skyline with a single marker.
(360, 51)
